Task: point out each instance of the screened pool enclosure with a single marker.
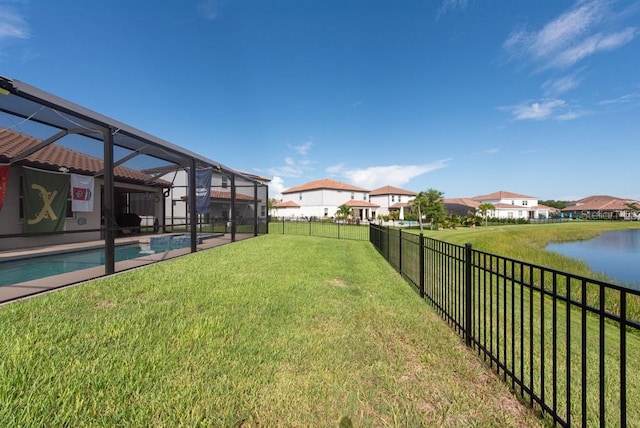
(71, 175)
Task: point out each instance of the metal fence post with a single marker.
(422, 272)
(468, 301)
(400, 251)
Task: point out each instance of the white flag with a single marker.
(81, 193)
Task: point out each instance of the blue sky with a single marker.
(463, 96)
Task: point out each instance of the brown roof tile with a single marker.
(54, 156)
(286, 204)
(500, 194)
(599, 202)
(325, 183)
(391, 190)
(355, 203)
(468, 202)
(219, 194)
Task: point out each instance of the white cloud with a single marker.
(569, 38)
(624, 99)
(211, 9)
(536, 110)
(546, 109)
(304, 148)
(12, 24)
(448, 5)
(560, 86)
(492, 151)
(596, 43)
(569, 26)
(276, 187)
(377, 176)
(294, 166)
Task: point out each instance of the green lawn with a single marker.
(273, 331)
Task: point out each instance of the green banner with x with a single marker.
(45, 197)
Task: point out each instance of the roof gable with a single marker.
(391, 190)
(599, 202)
(286, 204)
(325, 183)
(502, 194)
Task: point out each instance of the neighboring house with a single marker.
(321, 199)
(220, 193)
(461, 206)
(391, 198)
(135, 192)
(508, 205)
(601, 207)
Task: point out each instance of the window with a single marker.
(524, 203)
(224, 182)
(513, 202)
(263, 210)
(326, 211)
(393, 198)
(352, 195)
(399, 198)
(300, 196)
(510, 214)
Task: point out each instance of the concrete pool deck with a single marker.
(13, 292)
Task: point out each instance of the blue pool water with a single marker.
(15, 271)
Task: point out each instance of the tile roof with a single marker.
(399, 205)
(391, 190)
(501, 194)
(286, 204)
(355, 203)
(325, 183)
(54, 156)
(253, 176)
(599, 202)
(466, 202)
(220, 194)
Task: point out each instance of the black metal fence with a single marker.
(322, 228)
(567, 345)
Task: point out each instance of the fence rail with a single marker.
(561, 341)
(327, 229)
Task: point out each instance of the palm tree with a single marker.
(434, 209)
(418, 205)
(484, 209)
(344, 212)
(633, 207)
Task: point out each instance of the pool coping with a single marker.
(20, 291)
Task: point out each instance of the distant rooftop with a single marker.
(325, 183)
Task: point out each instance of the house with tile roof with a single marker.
(391, 198)
(508, 205)
(601, 207)
(135, 191)
(321, 199)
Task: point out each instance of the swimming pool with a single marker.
(15, 271)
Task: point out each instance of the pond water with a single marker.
(615, 254)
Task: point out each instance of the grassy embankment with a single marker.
(273, 331)
(526, 243)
